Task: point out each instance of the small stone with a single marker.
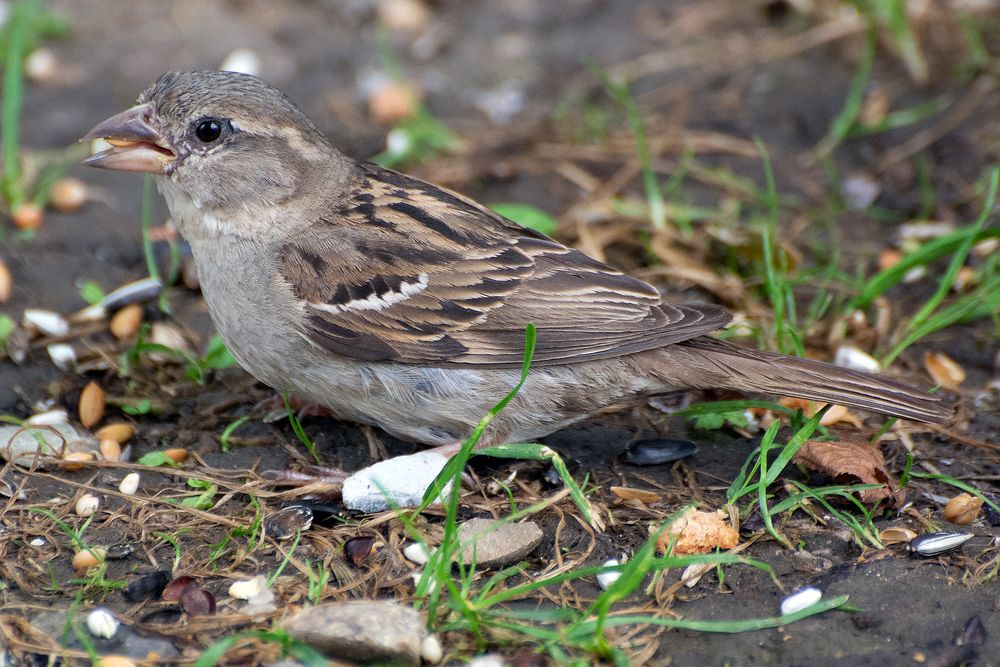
(430, 650)
(415, 552)
(800, 599)
(362, 631)
(400, 481)
(102, 623)
(495, 544)
(605, 579)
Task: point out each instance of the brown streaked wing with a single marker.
(407, 272)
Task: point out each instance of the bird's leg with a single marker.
(273, 409)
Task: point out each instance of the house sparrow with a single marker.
(403, 305)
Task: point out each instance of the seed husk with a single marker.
(92, 404)
(177, 454)
(120, 432)
(932, 544)
(76, 460)
(125, 323)
(963, 509)
(110, 450)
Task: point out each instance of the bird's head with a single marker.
(215, 139)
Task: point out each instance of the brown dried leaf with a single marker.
(944, 370)
(628, 493)
(854, 462)
(697, 532)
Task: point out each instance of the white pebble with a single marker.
(102, 623)
(247, 589)
(48, 418)
(848, 356)
(605, 579)
(63, 355)
(129, 483)
(399, 481)
(243, 61)
(41, 65)
(800, 599)
(430, 650)
(46, 321)
(87, 505)
(416, 553)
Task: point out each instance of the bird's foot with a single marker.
(273, 409)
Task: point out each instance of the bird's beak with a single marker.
(135, 144)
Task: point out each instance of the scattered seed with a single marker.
(115, 661)
(197, 601)
(965, 279)
(800, 599)
(162, 333)
(243, 61)
(944, 370)
(48, 418)
(963, 509)
(125, 323)
(76, 461)
(6, 282)
(136, 291)
(173, 591)
(102, 623)
(68, 194)
(392, 102)
(120, 551)
(628, 493)
(177, 454)
(38, 542)
(359, 549)
(605, 579)
(430, 650)
(88, 558)
(129, 483)
(92, 404)
(246, 589)
(120, 432)
(147, 587)
(63, 356)
(932, 544)
(87, 505)
(896, 535)
(287, 521)
(416, 553)
(46, 322)
(848, 356)
(27, 216)
(657, 451)
(110, 450)
(404, 15)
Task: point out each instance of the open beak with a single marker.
(135, 144)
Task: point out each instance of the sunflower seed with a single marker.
(287, 521)
(932, 544)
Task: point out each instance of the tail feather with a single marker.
(713, 363)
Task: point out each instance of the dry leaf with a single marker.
(944, 370)
(697, 532)
(837, 414)
(852, 463)
(628, 493)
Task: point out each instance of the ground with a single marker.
(517, 83)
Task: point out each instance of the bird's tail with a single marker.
(705, 363)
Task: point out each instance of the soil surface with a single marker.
(512, 80)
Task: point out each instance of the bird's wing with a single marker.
(407, 272)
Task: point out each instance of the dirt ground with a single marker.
(707, 75)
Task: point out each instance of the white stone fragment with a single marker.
(129, 483)
(243, 61)
(63, 355)
(48, 418)
(800, 599)
(246, 589)
(46, 321)
(102, 623)
(605, 579)
(416, 553)
(397, 482)
(848, 356)
(430, 650)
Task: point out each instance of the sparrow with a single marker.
(403, 305)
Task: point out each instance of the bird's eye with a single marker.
(208, 131)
